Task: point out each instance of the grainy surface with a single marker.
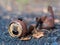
(52, 38)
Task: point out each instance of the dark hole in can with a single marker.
(15, 30)
(20, 19)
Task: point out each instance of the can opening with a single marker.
(15, 30)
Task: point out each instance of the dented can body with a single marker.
(17, 28)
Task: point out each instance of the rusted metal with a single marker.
(17, 28)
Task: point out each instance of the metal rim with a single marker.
(19, 29)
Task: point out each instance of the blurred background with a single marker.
(28, 10)
(30, 5)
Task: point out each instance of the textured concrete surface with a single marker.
(52, 38)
